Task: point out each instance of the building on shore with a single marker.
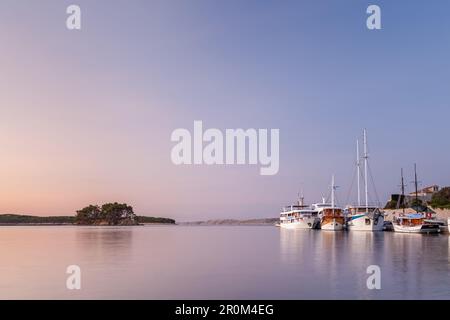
(424, 195)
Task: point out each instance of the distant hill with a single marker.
(144, 219)
(26, 219)
(233, 222)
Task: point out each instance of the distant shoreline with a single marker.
(145, 222)
(79, 225)
(35, 224)
(29, 220)
(232, 222)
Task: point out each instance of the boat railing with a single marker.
(292, 208)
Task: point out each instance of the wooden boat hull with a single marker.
(332, 224)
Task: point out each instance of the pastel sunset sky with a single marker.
(86, 116)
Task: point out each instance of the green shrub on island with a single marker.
(441, 199)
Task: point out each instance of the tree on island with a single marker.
(88, 215)
(109, 214)
(441, 199)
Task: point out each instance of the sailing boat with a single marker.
(363, 217)
(332, 217)
(415, 222)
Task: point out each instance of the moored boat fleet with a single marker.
(357, 217)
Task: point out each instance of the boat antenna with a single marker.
(366, 157)
(300, 198)
(358, 168)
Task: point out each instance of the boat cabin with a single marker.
(332, 212)
(354, 210)
(411, 220)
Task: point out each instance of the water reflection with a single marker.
(163, 262)
(104, 244)
(413, 266)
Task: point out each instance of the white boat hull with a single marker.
(304, 223)
(332, 226)
(415, 229)
(365, 223)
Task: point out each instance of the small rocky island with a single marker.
(109, 214)
(114, 214)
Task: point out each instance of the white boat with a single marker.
(299, 216)
(362, 218)
(332, 217)
(299, 219)
(359, 217)
(448, 224)
(415, 223)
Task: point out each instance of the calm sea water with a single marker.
(181, 262)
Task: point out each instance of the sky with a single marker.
(86, 115)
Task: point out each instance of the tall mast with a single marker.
(415, 184)
(358, 167)
(332, 192)
(402, 199)
(366, 157)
